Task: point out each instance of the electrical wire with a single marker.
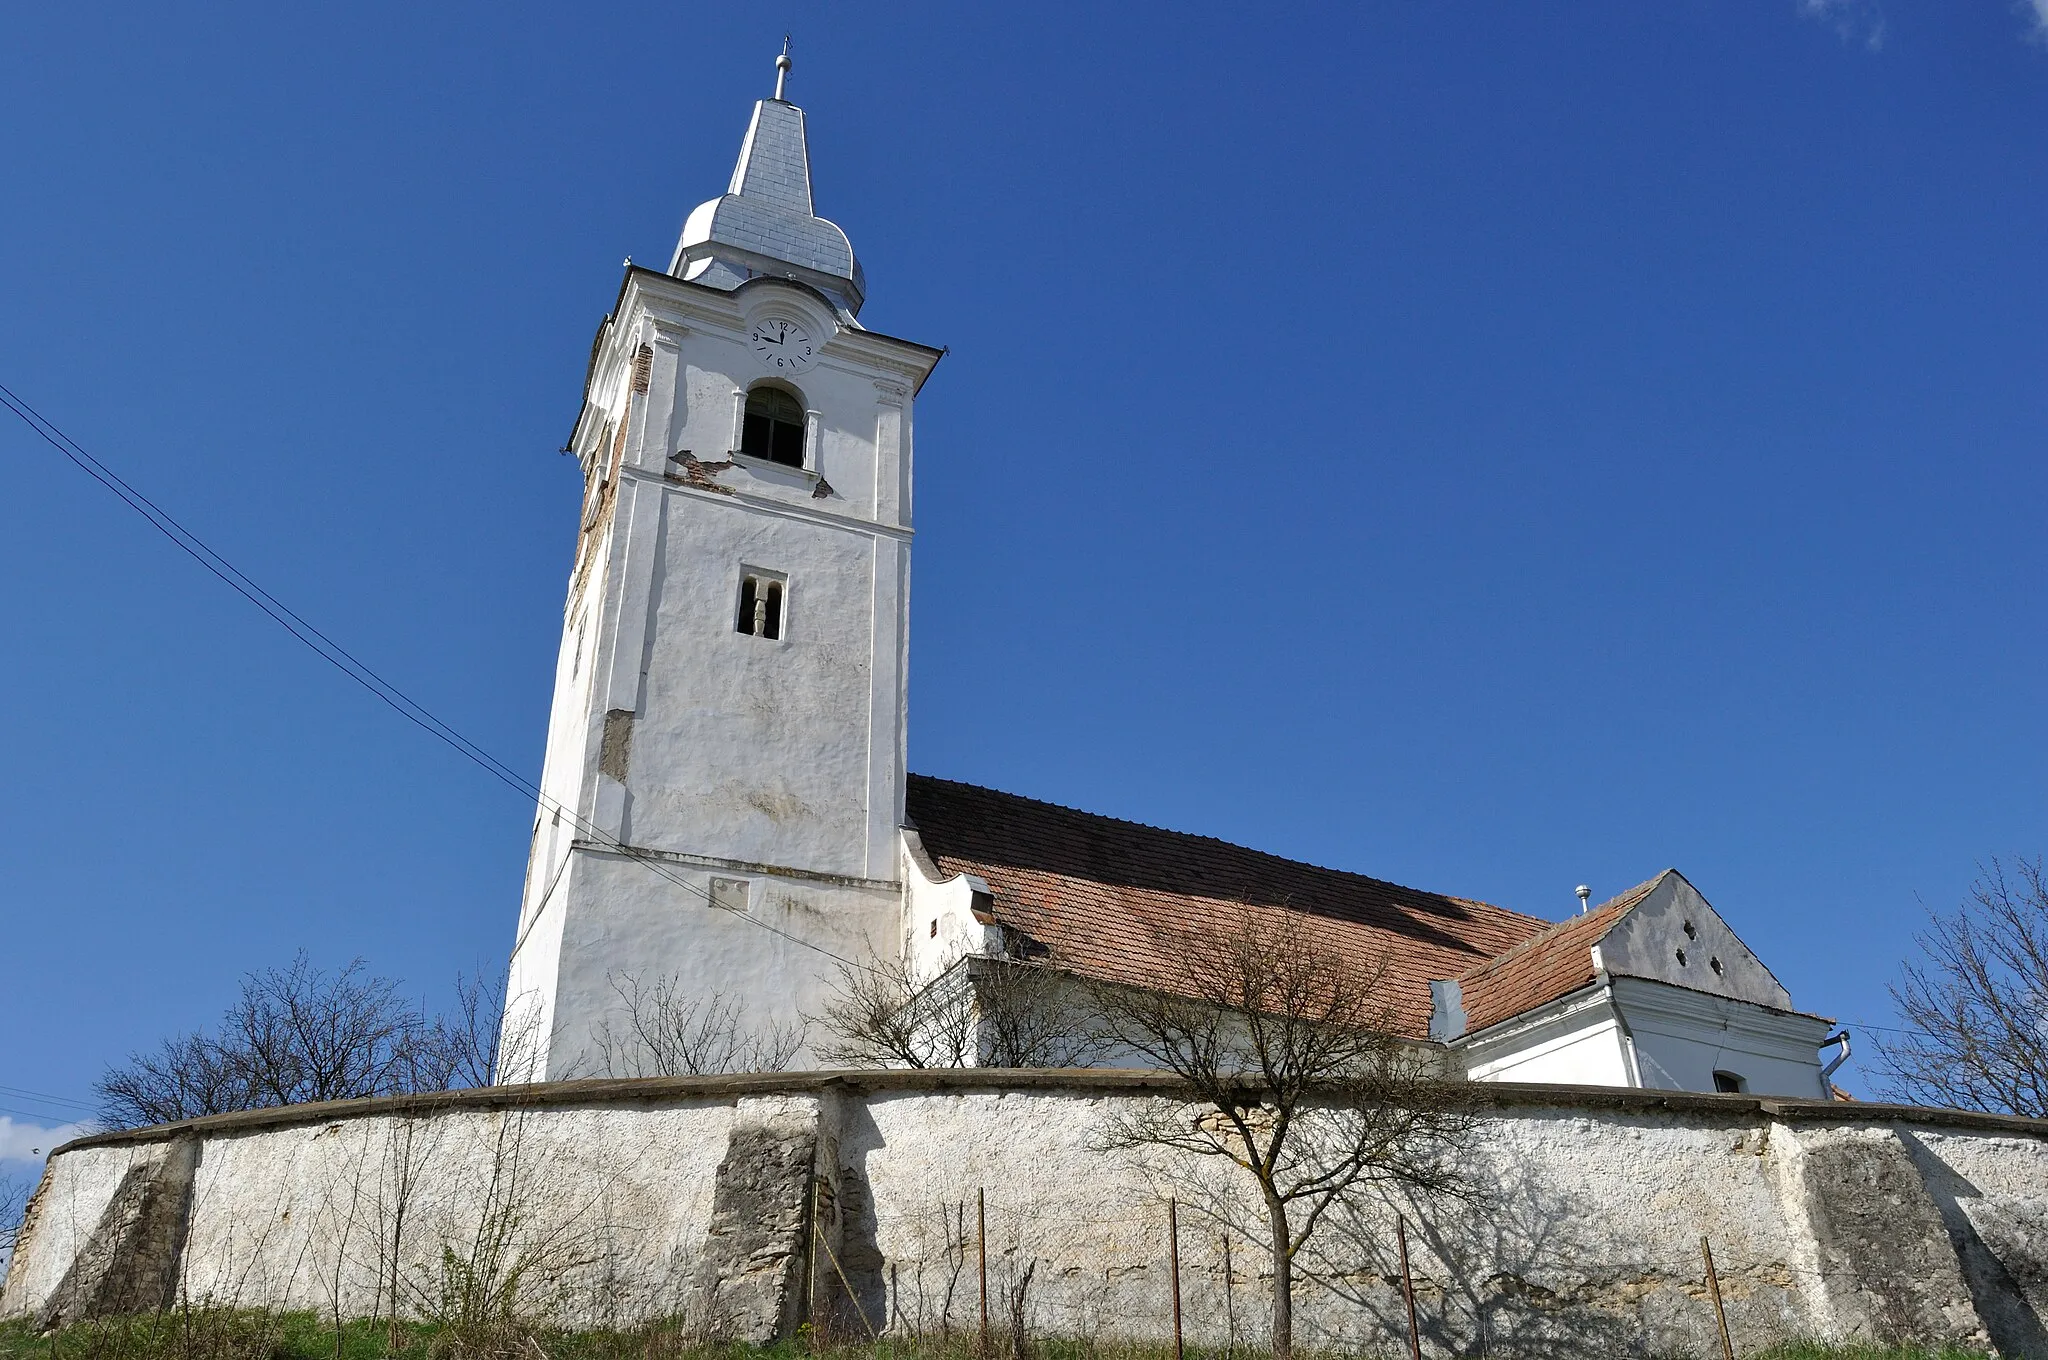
(400, 702)
(348, 664)
(39, 1118)
(39, 1098)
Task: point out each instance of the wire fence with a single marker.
(1397, 1277)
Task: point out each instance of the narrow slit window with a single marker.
(760, 610)
(773, 428)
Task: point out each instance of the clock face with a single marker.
(784, 346)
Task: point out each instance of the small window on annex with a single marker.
(773, 427)
(1729, 1084)
(760, 611)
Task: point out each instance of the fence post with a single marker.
(1229, 1302)
(811, 1256)
(981, 1256)
(1714, 1288)
(1173, 1255)
(1408, 1288)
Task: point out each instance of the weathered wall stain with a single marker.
(747, 1205)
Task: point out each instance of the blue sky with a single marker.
(1488, 446)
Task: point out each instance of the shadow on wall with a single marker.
(1055, 1269)
(1476, 1265)
(2006, 1277)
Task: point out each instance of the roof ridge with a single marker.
(1229, 845)
(1615, 907)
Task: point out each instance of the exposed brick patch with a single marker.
(643, 367)
(699, 474)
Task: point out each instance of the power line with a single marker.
(38, 1118)
(40, 1098)
(342, 660)
(403, 704)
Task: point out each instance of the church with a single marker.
(726, 814)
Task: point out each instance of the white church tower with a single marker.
(724, 776)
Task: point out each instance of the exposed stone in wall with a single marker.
(1888, 1268)
(747, 1205)
(755, 1273)
(130, 1262)
(2000, 1237)
(615, 753)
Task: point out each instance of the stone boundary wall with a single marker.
(747, 1206)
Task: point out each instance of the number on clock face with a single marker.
(783, 345)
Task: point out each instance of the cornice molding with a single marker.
(1647, 999)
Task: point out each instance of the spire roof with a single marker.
(765, 222)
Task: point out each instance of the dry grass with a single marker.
(1814, 1350)
(221, 1334)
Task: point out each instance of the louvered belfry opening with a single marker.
(773, 428)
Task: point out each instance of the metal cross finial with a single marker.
(782, 65)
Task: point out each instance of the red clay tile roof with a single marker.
(1546, 967)
(1105, 896)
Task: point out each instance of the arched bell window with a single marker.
(774, 427)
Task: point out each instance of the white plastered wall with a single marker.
(1682, 1038)
(1592, 1220)
(639, 923)
(1578, 1040)
(76, 1189)
(776, 763)
(940, 925)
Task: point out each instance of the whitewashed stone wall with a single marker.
(624, 1201)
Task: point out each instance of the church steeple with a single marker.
(765, 222)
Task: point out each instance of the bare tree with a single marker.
(980, 1012)
(496, 1272)
(463, 1047)
(14, 1193)
(669, 1032)
(1031, 1016)
(1295, 1075)
(299, 1034)
(1975, 1006)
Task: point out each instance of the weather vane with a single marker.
(782, 65)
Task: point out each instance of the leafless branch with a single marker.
(14, 1192)
(1975, 1005)
(672, 1032)
(295, 1034)
(980, 1012)
(1297, 1076)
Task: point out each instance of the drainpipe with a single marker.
(1835, 1062)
